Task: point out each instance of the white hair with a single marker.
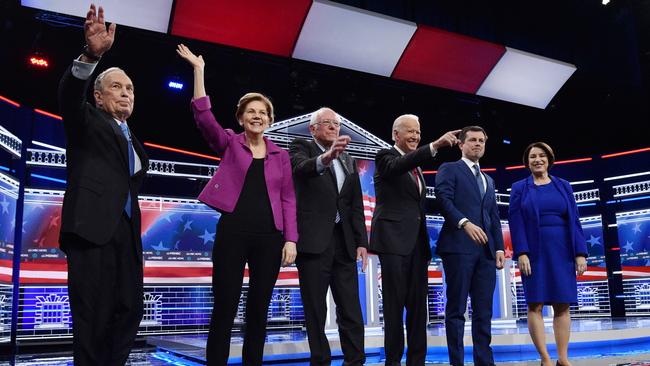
(315, 115)
(400, 120)
(100, 78)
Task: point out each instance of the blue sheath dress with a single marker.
(553, 277)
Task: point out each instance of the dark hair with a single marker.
(251, 97)
(463, 132)
(541, 145)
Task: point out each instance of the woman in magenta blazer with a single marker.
(253, 191)
(550, 248)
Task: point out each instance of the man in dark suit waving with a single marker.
(400, 237)
(469, 244)
(332, 231)
(100, 229)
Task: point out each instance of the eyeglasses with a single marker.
(329, 122)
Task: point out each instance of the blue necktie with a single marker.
(125, 131)
(479, 180)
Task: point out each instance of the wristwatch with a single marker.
(86, 52)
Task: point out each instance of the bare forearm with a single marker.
(199, 83)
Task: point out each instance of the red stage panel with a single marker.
(259, 25)
(447, 60)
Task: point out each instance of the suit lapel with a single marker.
(470, 175)
(316, 150)
(122, 144)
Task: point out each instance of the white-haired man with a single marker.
(332, 231)
(100, 228)
(399, 236)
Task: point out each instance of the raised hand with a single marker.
(337, 148)
(450, 138)
(191, 58)
(98, 38)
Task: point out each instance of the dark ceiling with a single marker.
(602, 108)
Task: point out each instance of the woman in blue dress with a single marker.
(550, 248)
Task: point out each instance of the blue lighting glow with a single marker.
(628, 199)
(45, 177)
(507, 142)
(175, 85)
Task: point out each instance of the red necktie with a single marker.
(417, 179)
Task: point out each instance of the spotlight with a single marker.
(605, 2)
(506, 141)
(38, 61)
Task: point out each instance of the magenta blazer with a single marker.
(222, 191)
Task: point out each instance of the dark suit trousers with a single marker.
(473, 274)
(105, 290)
(232, 250)
(336, 270)
(404, 284)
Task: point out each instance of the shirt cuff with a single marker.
(462, 221)
(500, 251)
(82, 70)
(434, 152)
(320, 167)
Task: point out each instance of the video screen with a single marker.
(8, 198)
(634, 241)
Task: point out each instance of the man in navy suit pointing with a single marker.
(470, 245)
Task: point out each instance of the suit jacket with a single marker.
(524, 218)
(223, 190)
(458, 197)
(318, 201)
(97, 168)
(399, 217)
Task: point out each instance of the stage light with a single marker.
(605, 2)
(175, 85)
(507, 142)
(39, 61)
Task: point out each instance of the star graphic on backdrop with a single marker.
(160, 246)
(637, 228)
(40, 242)
(167, 217)
(176, 245)
(24, 226)
(508, 253)
(362, 170)
(5, 205)
(629, 246)
(188, 225)
(54, 221)
(207, 237)
(594, 240)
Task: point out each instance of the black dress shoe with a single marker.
(557, 363)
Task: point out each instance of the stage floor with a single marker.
(610, 341)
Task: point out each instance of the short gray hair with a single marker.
(399, 120)
(100, 78)
(315, 115)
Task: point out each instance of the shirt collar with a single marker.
(319, 145)
(470, 163)
(399, 150)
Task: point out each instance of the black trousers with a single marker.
(232, 250)
(105, 290)
(336, 270)
(404, 285)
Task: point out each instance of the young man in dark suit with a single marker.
(470, 245)
(332, 232)
(400, 237)
(100, 229)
